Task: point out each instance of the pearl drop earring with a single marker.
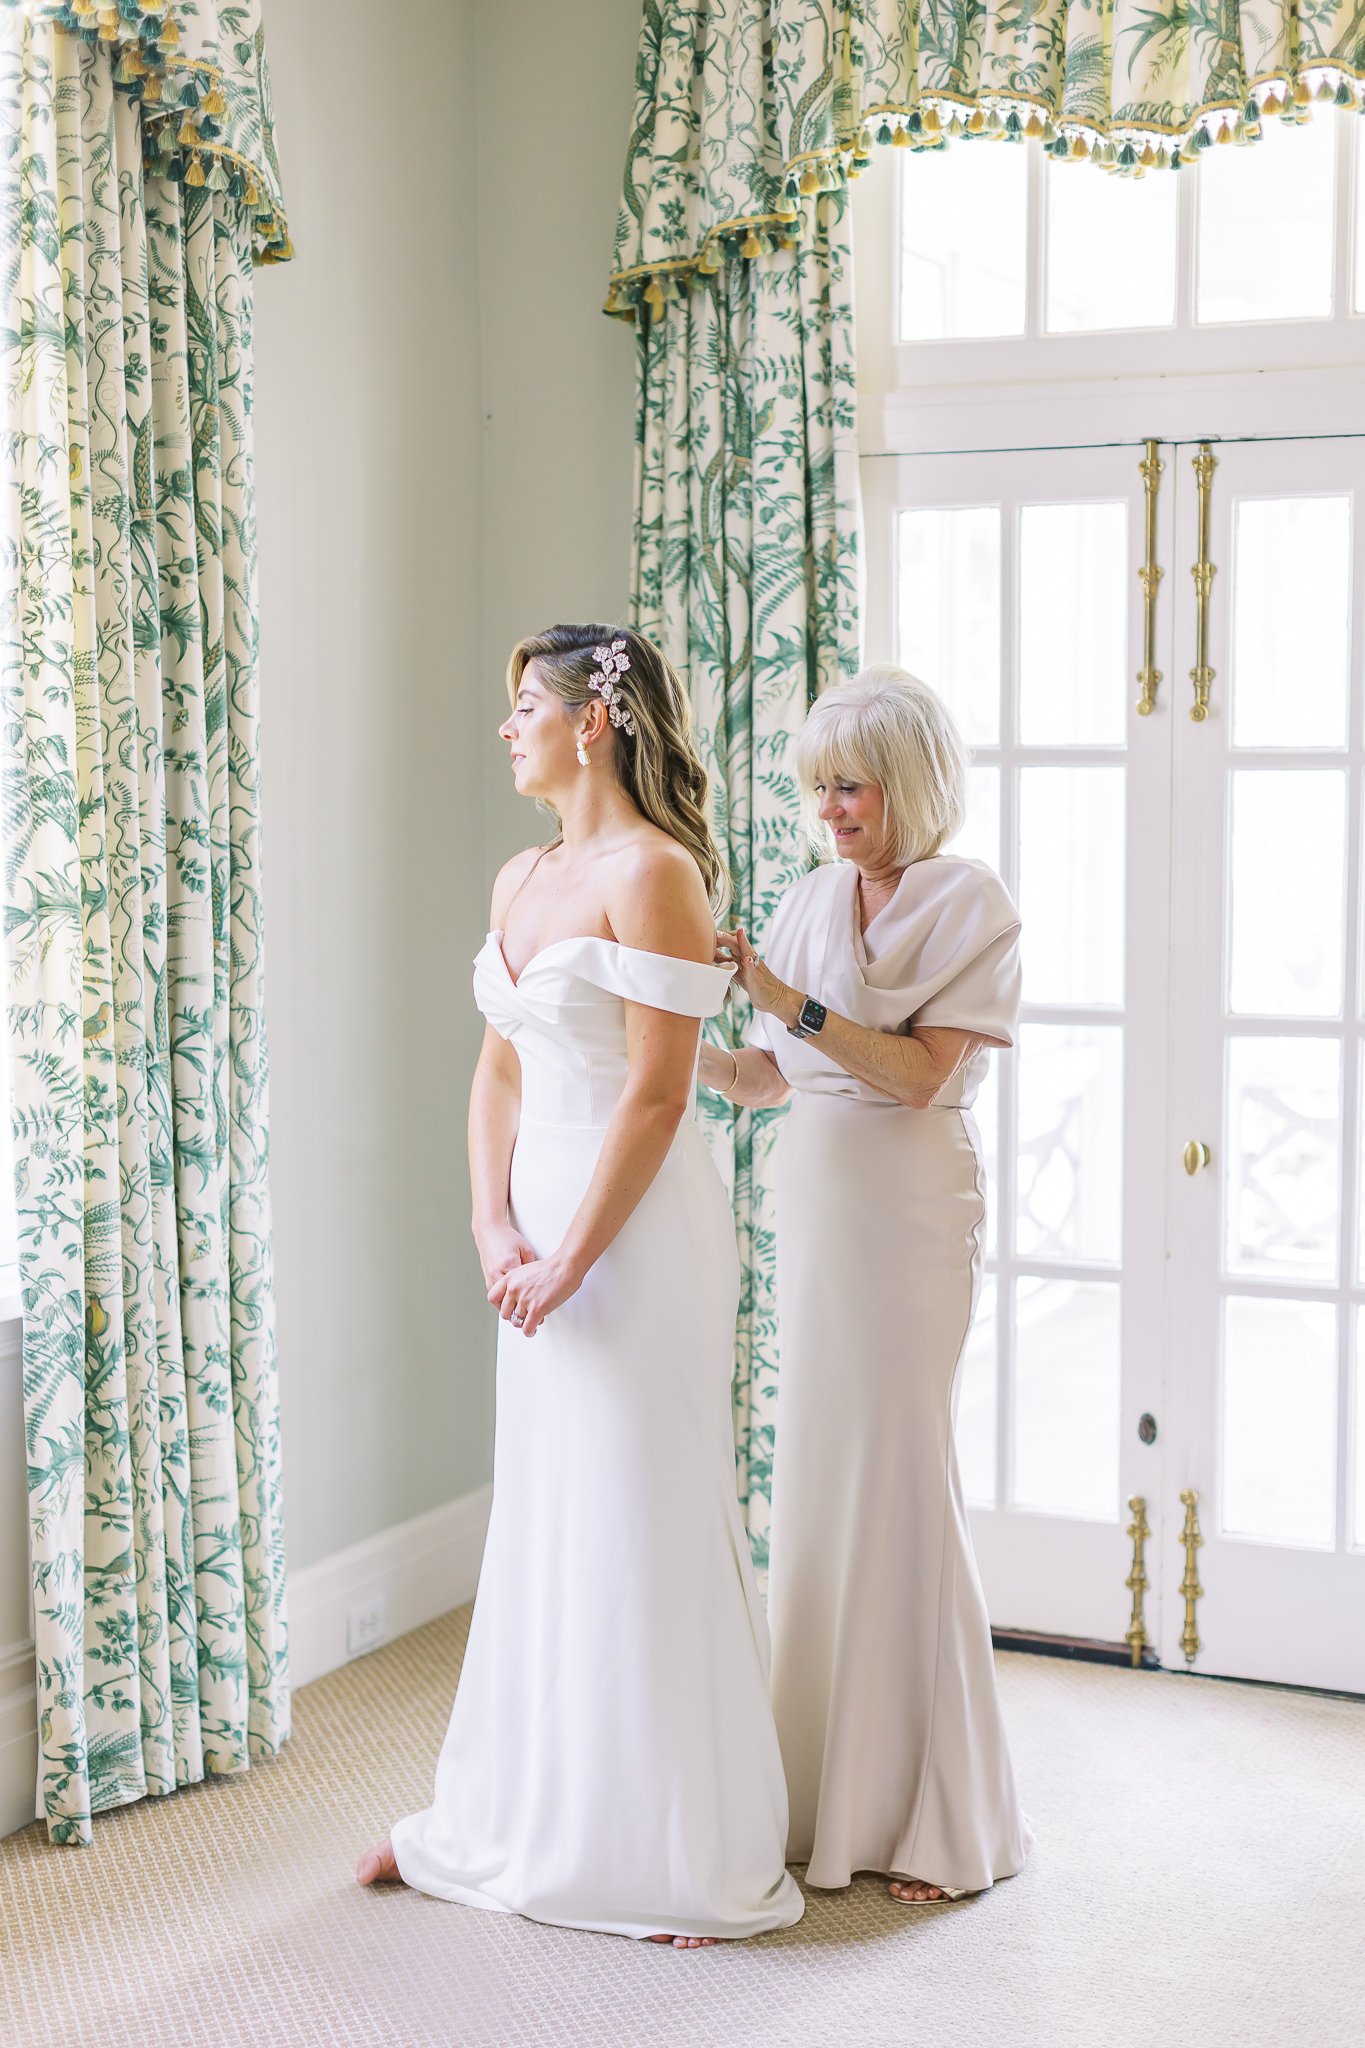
(583, 757)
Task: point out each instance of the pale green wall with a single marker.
(443, 425)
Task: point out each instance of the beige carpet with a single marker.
(1200, 1880)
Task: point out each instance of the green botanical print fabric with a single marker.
(746, 574)
(746, 109)
(128, 632)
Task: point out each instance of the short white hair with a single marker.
(887, 727)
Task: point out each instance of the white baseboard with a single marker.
(420, 1569)
(18, 1738)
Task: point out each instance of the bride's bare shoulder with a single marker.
(657, 899)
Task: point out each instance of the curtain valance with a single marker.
(196, 69)
(747, 109)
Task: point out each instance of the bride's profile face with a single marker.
(539, 735)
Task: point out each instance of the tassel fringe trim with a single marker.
(647, 290)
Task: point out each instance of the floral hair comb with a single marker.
(613, 662)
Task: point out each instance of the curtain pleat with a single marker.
(133, 924)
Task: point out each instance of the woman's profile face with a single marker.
(539, 736)
(855, 813)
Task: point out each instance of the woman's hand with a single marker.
(500, 1251)
(525, 1295)
(763, 988)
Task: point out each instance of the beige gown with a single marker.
(883, 1680)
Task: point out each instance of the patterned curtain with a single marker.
(746, 110)
(746, 574)
(136, 182)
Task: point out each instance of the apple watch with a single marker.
(810, 1019)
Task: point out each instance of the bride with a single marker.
(611, 1760)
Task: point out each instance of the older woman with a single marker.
(890, 972)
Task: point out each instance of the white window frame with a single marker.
(1300, 343)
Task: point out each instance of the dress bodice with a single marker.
(565, 1015)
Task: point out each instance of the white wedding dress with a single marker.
(611, 1760)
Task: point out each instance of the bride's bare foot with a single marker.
(377, 1866)
(685, 1940)
(912, 1891)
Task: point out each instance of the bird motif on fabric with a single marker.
(96, 1026)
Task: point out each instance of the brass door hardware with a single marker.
(1195, 1155)
(1190, 1587)
(1135, 1635)
(1203, 572)
(1149, 576)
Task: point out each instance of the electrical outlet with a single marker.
(365, 1627)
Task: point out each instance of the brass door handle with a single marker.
(1195, 1155)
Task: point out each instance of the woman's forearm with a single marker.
(749, 1077)
(635, 1146)
(494, 1113)
(913, 1070)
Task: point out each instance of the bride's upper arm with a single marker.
(658, 905)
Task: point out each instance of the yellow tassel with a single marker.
(810, 181)
(752, 246)
(1148, 157)
(1033, 127)
(976, 121)
(1303, 92)
(1224, 134)
(189, 134)
(109, 31)
(1271, 105)
(932, 124)
(708, 263)
(900, 138)
(169, 31)
(213, 103)
(252, 195)
(84, 7)
(151, 91)
(1326, 90)
(654, 294)
(1079, 151)
(195, 173)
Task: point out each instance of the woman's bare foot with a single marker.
(685, 1940)
(377, 1866)
(912, 1891)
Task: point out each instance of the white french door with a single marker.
(1175, 1300)
(1006, 580)
(1267, 1268)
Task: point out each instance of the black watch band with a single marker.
(810, 1019)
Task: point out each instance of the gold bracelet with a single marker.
(734, 1080)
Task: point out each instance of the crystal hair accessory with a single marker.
(612, 663)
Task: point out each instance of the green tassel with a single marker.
(1014, 127)
(1343, 96)
(1201, 139)
(884, 132)
(1061, 149)
(1127, 157)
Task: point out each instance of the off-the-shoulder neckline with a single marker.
(497, 935)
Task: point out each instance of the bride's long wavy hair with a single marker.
(658, 768)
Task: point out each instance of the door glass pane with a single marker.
(1066, 1397)
(964, 235)
(948, 599)
(1110, 250)
(1265, 225)
(1070, 1141)
(1284, 1157)
(1073, 624)
(1287, 861)
(974, 1427)
(1279, 1421)
(979, 838)
(1291, 621)
(1071, 883)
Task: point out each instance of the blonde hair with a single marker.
(658, 767)
(887, 727)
